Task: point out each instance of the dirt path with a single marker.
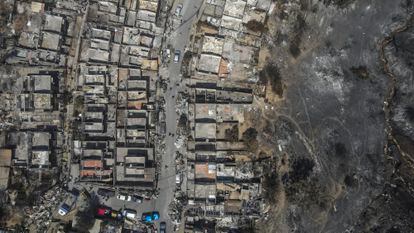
(388, 100)
(272, 115)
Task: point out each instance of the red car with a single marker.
(103, 212)
(106, 212)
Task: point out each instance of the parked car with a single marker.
(168, 53)
(137, 199)
(178, 179)
(64, 209)
(177, 54)
(163, 227)
(129, 214)
(124, 197)
(116, 214)
(75, 192)
(106, 192)
(103, 212)
(150, 216)
(67, 205)
(178, 9)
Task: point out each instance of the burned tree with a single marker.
(250, 139)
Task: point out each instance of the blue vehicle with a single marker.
(64, 209)
(163, 227)
(150, 216)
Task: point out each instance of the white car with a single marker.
(178, 178)
(177, 56)
(178, 10)
(168, 53)
(129, 214)
(124, 197)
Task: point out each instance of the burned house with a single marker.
(220, 178)
(223, 187)
(118, 75)
(118, 72)
(46, 36)
(116, 148)
(228, 40)
(35, 144)
(33, 149)
(5, 164)
(135, 167)
(127, 37)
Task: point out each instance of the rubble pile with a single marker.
(177, 206)
(40, 215)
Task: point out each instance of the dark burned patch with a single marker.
(394, 206)
(338, 3)
(272, 185)
(205, 225)
(340, 149)
(6, 9)
(255, 26)
(404, 46)
(203, 24)
(310, 194)
(301, 169)
(394, 229)
(360, 71)
(78, 105)
(271, 74)
(296, 40)
(67, 97)
(182, 122)
(185, 63)
(350, 181)
(250, 139)
(409, 113)
(280, 37)
(232, 134)
(406, 143)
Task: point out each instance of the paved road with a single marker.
(178, 39)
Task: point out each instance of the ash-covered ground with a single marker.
(337, 168)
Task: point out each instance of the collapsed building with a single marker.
(35, 142)
(228, 40)
(117, 118)
(47, 36)
(117, 78)
(81, 93)
(35, 98)
(223, 187)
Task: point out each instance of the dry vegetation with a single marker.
(20, 22)
(255, 26)
(5, 10)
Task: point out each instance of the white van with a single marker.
(129, 214)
